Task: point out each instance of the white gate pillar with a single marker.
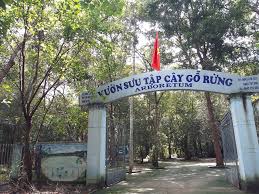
(246, 140)
(96, 145)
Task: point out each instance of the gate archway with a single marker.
(237, 87)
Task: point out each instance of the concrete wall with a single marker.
(63, 162)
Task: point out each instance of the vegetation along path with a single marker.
(177, 177)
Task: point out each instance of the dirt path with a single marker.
(176, 178)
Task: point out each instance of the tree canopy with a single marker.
(50, 51)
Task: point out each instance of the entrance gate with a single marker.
(238, 88)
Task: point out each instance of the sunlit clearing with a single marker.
(123, 183)
(142, 189)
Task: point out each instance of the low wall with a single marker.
(62, 162)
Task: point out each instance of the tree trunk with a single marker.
(195, 147)
(215, 130)
(200, 147)
(187, 155)
(155, 156)
(27, 160)
(169, 148)
(142, 154)
(10, 63)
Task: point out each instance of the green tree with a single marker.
(51, 37)
(201, 29)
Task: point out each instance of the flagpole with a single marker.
(131, 151)
(131, 106)
(156, 66)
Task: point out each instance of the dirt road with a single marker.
(176, 178)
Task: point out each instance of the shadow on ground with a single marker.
(178, 177)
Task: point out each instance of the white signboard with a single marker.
(186, 79)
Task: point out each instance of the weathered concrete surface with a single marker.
(62, 148)
(63, 168)
(176, 178)
(64, 162)
(96, 144)
(246, 140)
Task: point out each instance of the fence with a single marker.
(65, 162)
(6, 155)
(6, 151)
(116, 153)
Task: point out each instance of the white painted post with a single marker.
(246, 140)
(96, 145)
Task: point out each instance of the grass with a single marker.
(4, 174)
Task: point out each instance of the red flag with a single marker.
(156, 55)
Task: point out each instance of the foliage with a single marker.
(206, 32)
(50, 38)
(4, 174)
(62, 120)
(50, 51)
